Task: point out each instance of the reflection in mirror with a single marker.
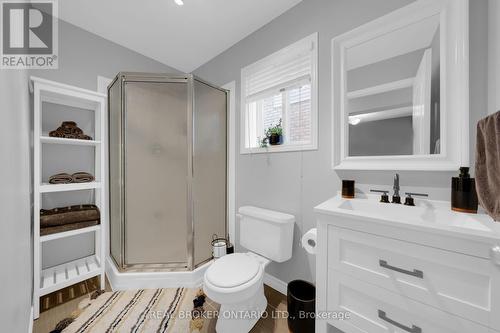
(393, 92)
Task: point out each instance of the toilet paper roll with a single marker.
(309, 241)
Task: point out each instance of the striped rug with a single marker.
(147, 310)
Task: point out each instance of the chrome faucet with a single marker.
(395, 197)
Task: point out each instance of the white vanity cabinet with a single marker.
(395, 268)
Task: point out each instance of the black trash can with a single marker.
(301, 299)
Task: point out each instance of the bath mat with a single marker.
(144, 310)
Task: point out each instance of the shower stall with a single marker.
(167, 171)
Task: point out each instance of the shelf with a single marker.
(63, 141)
(48, 188)
(380, 89)
(69, 233)
(62, 276)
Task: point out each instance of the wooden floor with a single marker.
(274, 322)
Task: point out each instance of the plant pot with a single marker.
(275, 139)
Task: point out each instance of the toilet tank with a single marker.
(266, 232)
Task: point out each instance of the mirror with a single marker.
(393, 80)
(393, 92)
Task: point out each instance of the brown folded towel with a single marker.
(82, 177)
(61, 178)
(67, 227)
(68, 215)
(68, 123)
(488, 164)
(69, 130)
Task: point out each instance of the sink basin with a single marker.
(427, 213)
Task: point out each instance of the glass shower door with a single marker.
(156, 169)
(209, 166)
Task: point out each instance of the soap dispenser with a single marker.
(463, 192)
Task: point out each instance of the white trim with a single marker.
(102, 84)
(493, 56)
(275, 283)
(152, 280)
(31, 319)
(278, 149)
(454, 21)
(231, 160)
(383, 88)
(313, 38)
(102, 87)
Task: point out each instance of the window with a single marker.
(281, 89)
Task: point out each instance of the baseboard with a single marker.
(30, 325)
(275, 283)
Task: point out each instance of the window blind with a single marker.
(279, 70)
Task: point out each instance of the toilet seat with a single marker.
(234, 278)
(232, 270)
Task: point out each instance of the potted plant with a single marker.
(274, 134)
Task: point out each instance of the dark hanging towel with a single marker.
(488, 164)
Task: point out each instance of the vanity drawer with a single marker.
(376, 310)
(453, 282)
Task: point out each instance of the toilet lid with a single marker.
(232, 270)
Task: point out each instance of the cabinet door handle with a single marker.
(413, 329)
(415, 272)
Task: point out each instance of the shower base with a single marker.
(153, 280)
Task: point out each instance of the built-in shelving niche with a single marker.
(66, 258)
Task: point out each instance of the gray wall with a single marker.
(295, 182)
(392, 136)
(393, 69)
(83, 56)
(15, 202)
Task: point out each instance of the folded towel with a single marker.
(82, 177)
(68, 215)
(68, 123)
(61, 178)
(69, 130)
(488, 164)
(67, 227)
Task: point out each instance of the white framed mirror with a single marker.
(401, 90)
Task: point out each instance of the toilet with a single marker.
(235, 281)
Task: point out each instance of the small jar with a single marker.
(348, 189)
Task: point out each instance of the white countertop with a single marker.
(427, 215)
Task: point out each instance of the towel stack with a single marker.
(66, 178)
(68, 218)
(69, 130)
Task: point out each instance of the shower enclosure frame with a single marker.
(189, 79)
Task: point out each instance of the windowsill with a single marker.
(278, 149)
